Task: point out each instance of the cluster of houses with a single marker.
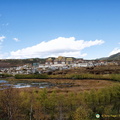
(52, 64)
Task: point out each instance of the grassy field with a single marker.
(70, 85)
(79, 94)
(75, 80)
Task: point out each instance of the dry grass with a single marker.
(108, 72)
(73, 85)
(81, 85)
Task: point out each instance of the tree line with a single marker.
(40, 104)
(113, 77)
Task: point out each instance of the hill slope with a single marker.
(112, 57)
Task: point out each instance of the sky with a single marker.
(86, 29)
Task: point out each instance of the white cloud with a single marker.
(3, 55)
(16, 39)
(114, 51)
(2, 38)
(61, 46)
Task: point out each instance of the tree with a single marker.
(81, 113)
(10, 103)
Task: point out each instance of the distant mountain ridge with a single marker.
(115, 56)
(112, 57)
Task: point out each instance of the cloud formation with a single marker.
(61, 46)
(2, 38)
(16, 39)
(114, 51)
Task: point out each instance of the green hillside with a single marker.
(112, 57)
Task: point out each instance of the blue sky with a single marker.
(42, 28)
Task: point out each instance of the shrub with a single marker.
(31, 76)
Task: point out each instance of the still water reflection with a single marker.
(6, 84)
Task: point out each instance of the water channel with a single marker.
(5, 84)
(24, 84)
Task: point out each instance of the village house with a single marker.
(49, 61)
(60, 60)
(69, 60)
(63, 60)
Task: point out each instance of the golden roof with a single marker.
(69, 59)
